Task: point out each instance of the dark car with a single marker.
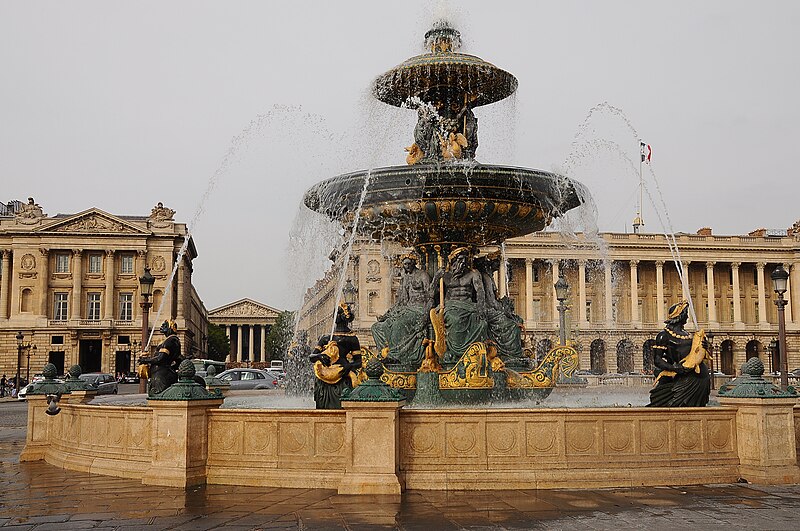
(249, 379)
(105, 383)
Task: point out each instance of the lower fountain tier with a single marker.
(476, 204)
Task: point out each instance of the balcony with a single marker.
(125, 324)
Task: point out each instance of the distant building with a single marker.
(70, 284)
(247, 324)
(618, 298)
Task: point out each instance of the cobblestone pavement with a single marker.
(42, 497)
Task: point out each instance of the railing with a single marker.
(124, 323)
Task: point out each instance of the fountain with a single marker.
(446, 206)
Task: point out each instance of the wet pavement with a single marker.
(42, 497)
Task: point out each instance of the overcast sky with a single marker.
(121, 104)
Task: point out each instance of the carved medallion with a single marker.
(159, 264)
(27, 262)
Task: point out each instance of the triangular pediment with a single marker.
(92, 221)
(244, 308)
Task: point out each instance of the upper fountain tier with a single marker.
(443, 77)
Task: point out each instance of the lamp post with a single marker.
(146, 283)
(349, 293)
(133, 348)
(561, 294)
(22, 345)
(780, 278)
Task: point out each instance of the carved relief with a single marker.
(542, 438)
(719, 434)
(292, 438)
(28, 262)
(159, 264)
(422, 438)
(655, 437)
(461, 438)
(93, 223)
(257, 437)
(687, 434)
(160, 214)
(373, 271)
(224, 437)
(502, 437)
(581, 437)
(618, 437)
(329, 438)
(245, 309)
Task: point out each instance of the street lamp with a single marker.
(22, 345)
(780, 278)
(146, 283)
(349, 293)
(561, 294)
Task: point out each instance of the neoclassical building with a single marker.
(247, 324)
(70, 284)
(620, 288)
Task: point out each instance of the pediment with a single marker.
(93, 221)
(244, 308)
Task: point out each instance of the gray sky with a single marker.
(118, 105)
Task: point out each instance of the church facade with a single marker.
(70, 284)
(621, 286)
(247, 324)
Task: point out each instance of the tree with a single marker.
(280, 335)
(219, 345)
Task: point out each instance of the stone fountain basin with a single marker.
(476, 204)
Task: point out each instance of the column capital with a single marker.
(735, 265)
(6, 253)
(528, 261)
(710, 264)
(77, 252)
(659, 263)
(141, 253)
(761, 265)
(582, 262)
(634, 263)
(787, 266)
(110, 252)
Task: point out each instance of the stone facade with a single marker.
(247, 323)
(70, 284)
(620, 288)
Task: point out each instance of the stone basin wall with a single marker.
(181, 444)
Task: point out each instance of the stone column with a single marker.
(608, 294)
(582, 292)
(502, 279)
(371, 426)
(762, 296)
(180, 442)
(181, 290)
(109, 284)
(529, 318)
(554, 309)
(45, 281)
(239, 331)
(250, 346)
(712, 304)
(77, 280)
(230, 342)
(634, 265)
(736, 297)
(660, 291)
(788, 295)
(264, 343)
(5, 285)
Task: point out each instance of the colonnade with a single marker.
(252, 353)
(635, 292)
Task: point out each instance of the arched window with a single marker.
(726, 357)
(624, 356)
(647, 356)
(26, 304)
(597, 356)
(753, 349)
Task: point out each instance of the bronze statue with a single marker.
(336, 359)
(504, 325)
(682, 377)
(400, 332)
(163, 366)
(464, 304)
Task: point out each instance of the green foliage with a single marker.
(218, 343)
(280, 336)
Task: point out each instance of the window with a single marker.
(755, 276)
(126, 263)
(535, 274)
(25, 302)
(95, 263)
(247, 376)
(123, 340)
(731, 311)
(537, 310)
(589, 311)
(93, 306)
(614, 311)
(60, 306)
(126, 306)
(62, 263)
(57, 340)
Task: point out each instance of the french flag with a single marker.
(646, 151)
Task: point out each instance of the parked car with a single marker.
(279, 375)
(23, 393)
(130, 378)
(105, 383)
(242, 378)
